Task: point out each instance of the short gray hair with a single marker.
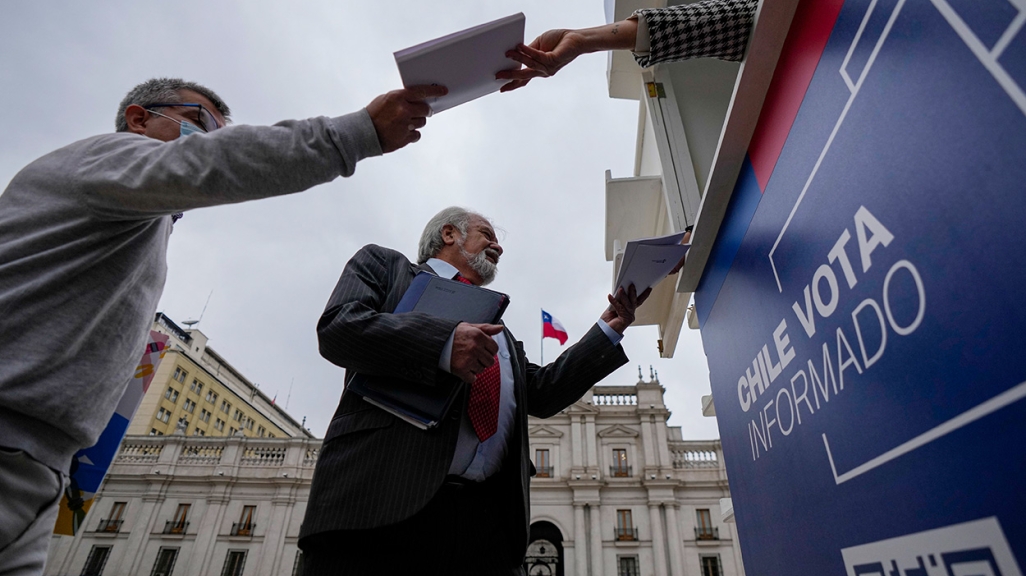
(157, 90)
(431, 242)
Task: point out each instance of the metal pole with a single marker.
(541, 342)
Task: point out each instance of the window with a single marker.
(261, 431)
(171, 395)
(542, 464)
(625, 529)
(113, 521)
(179, 523)
(234, 562)
(245, 525)
(96, 561)
(165, 563)
(249, 423)
(237, 416)
(211, 396)
(180, 374)
(196, 386)
(219, 425)
(627, 566)
(620, 468)
(183, 423)
(270, 435)
(232, 431)
(164, 415)
(711, 565)
(225, 406)
(297, 565)
(204, 415)
(704, 529)
(153, 432)
(198, 432)
(189, 406)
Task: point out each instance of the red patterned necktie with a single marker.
(483, 407)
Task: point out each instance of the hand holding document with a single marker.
(464, 62)
(648, 260)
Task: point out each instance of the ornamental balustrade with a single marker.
(228, 456)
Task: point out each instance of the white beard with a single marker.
(479, 263)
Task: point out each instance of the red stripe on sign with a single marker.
(810, 29)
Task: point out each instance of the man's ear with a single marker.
(449, 234)
(136, 117)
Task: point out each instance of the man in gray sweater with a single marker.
(83, 243)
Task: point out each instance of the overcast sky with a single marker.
(532, 160)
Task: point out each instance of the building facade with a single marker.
(196, 389)
(618, 492)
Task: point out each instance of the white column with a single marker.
(648, 443)
(580, 541)
(576, 443)
(596, 540)
(213, 519)
(592, 459)
(141, 530)
(658, 542)
(274, 535)
(675, 543)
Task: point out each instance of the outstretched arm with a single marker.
(711, 28)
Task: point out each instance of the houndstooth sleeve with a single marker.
(711, 28)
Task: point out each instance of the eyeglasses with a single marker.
(206, 120)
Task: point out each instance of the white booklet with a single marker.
(464, 62)
(645, 262)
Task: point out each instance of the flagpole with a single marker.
(541, 342)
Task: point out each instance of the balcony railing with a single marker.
(621, 471)
(707, 533)
(243, 528)
(624, 534)
(172, 527)
(544, 472)
(111, 526)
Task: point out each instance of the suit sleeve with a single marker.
(707, 29)
(354, 332)
(555, 386)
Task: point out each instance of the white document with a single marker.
(647, 261)
(464, 62)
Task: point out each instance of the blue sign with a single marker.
(864, 307)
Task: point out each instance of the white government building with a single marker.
(618, 492)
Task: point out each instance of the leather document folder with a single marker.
(416, 403)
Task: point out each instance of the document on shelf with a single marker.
(464, 62)
(645, 262)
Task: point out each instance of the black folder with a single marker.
(421, 405)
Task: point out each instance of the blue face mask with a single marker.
(188, 128)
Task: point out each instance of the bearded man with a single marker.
(390, 498)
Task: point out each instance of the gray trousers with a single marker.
(30, 494)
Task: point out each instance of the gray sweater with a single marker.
(83, 243)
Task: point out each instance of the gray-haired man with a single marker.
(83, 241)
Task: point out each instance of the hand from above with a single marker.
(685, 240)
(398, 115)
(542, 58)
(473, 349)
(620, 313)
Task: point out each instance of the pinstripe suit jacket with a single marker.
(374, 469)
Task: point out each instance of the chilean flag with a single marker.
(551, 328)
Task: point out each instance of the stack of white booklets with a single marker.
(464, 62)
(646, 261)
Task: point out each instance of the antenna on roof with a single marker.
(191, 323)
